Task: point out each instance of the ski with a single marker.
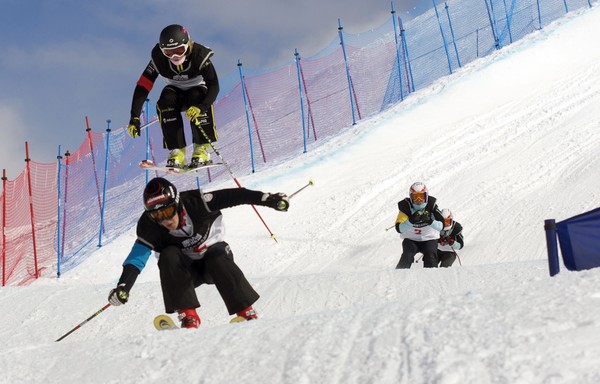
(164, 322)
(150, 165)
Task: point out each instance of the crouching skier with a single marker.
(186, 230)
(419, 223)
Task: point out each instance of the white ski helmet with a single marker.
(448, 218)
(418, 194)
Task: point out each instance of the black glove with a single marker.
(119, 295)
(278, 201)
(416, 217)
(134, 126)
(421, 219)
(427, 218)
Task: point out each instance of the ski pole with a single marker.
(457, 256)
(388, 228)
(79, 326)
(212, 145)
(310, 182)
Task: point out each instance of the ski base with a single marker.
(150, 165)
(238, 319)
(164, 322)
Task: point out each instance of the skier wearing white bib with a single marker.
(419, 222)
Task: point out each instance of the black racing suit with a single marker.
(195, 253)
(193, 83)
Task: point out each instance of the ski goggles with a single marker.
(178, 51)
(418, 198)
(167, 213)
(447, 222)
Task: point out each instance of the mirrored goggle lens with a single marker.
(447, 222)
(164, 214)
(418, 197)
(176, 51)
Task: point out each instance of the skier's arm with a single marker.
(134, 264)
(143, 88)
(457, 235)
(227, 198)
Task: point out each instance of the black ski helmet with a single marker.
(159, 194)
(173, 36)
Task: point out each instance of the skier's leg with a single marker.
(429, 250)
(169, 107)
(409, 249)
(195, 96)
(176, 280)
(234, 288)
(447, 258)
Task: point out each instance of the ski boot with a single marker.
(246, 314)
(189, 318)
(176, 158)
(200, 156)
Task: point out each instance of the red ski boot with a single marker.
(189, 318)
(245, 315)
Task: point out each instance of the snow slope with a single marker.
(506, 142)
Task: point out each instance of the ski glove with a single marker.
(134, 127)
(278, 201)
(118, 296)
(193, 113)
(446, 240)
(420, 219)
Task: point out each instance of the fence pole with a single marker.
(508, 19)
(91, 146)
(105, 182)
(311, 120)
(58, 213)
(539, 14)
(341, 34)
(4, 227)
(239, 64)
(492, 19)
(64, 232)
(551, 245)
(452, 33)
(301, 93)
(407, 67)
(437, 15)
(28, 167)
(397, 52)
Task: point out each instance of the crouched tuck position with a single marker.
(186, 230)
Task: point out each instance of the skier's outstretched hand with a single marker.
(118, 296)
(278, 201)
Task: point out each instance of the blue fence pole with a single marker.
(452, 33)
(397, 52)
(59, 199)
(407, 55)
(566, 7)
(105, 182)
(301, 92)
(443, 36)
(492, 17)
(239, 64)
(508, 17)
(341, 33)
(552, 246)
(539, 14)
